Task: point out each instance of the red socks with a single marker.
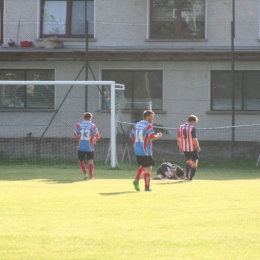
(91, 170)
(83, 167)
(139, 174)
(147, 178)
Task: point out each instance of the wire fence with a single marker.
(175, 54)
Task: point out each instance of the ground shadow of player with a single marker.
(48, 179)
(116, 193)
(173, 182)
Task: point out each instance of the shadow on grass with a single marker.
(117, 193)
(48, 175)
(171, 182)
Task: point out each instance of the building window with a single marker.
(27, 96)
(67, 18)
(247, 90)
(177, 19)
(141, 86)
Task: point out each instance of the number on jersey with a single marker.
(139, 136)
(84, 134)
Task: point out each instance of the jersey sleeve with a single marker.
(179, 133)
(76, 130)
(150, 132)
(96, 132)
(132, 133)
(193, 132)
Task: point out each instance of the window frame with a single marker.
(133, 89)
(178, 35)
(243, 90)
(25, 107)
(68, 22)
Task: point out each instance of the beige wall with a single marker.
(126, 23)
(186, 90)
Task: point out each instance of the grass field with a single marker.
(50, 213)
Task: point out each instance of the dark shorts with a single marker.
(145, 161)
(83, 155)
(161, 172)
(191, 155)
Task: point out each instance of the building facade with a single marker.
(176, 53)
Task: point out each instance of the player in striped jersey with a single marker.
(143, 135)
(87, 135)
(189, 145)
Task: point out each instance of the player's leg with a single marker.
(147, 177)
(138, 174)
(180, 173)
(188, 164)
(159, 175)
(81, 156)
(147, 163)
(90, 158)
(194, 165)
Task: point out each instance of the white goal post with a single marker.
(113, 87)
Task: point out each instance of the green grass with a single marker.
(50, 213)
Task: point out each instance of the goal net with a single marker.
(34, 132)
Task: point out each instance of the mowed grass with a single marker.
(50, 213)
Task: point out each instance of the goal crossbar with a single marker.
(113, 86)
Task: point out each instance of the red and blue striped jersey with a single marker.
(142, 133)
(86, 133)
(186, 135)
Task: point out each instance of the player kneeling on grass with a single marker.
(169, 171)
(87, 135)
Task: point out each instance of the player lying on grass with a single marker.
(169, 171)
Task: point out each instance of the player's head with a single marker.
(192, 119)
(180, 173)
(88, 116)
(148, 115)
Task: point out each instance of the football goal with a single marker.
(38, 118)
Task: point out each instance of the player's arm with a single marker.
(169, 174)
(175, 175)
(195, 140)
(197, 144)
(179, 135)
(132, 133)
(152, 136)
(180, 145)
(76, 132)
(96, 135)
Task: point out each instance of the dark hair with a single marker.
(179, 171)
(193, 118)
(147, 113)
(87, 115)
